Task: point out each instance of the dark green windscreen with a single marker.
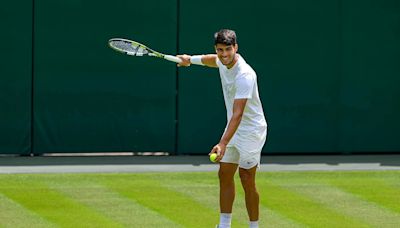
(328, 75)
(91, 98)
(15, 77)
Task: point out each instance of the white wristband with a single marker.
(196, 59)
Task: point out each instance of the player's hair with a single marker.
(225, 36)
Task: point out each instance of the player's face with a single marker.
(226, 54)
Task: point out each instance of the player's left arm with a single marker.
(244, 89)
(238, 110)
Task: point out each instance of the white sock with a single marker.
(253, 224)
(225, 220)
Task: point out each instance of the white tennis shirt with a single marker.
(240, 82)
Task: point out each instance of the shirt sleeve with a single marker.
(244, 86)
(219, 64)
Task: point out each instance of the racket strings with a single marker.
(132, 48)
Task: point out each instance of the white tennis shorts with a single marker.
(245, 149)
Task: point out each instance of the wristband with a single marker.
(196, 59)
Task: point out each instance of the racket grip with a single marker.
(172, 58)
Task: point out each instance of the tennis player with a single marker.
(246, 129)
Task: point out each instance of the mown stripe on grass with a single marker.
(114, 205)
(150, 193)
(371, 189)
(268, 217)
(204, 188)
(302, 209)
(52, 205)
(12, 215)
(349, 204)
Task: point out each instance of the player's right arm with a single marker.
(209, 60)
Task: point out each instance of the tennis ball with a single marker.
(213, 157)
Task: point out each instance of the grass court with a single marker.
(288, 199)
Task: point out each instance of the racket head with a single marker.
(131, 47)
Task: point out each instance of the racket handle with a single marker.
(172, 58)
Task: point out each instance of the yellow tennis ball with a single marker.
(213, 157)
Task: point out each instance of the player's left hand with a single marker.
(219, 149)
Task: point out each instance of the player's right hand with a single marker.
(185, 60)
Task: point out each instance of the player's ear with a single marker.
(236, 47)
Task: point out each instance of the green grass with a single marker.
(288, 199)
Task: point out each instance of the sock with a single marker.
(253, 224)
(225, 220)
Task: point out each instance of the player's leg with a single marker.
(248, 179)
(227, 186)
(227, 169)
(250, 148)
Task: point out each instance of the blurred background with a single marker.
(328, 73)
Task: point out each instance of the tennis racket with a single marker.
(134, 48)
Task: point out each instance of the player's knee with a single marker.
(248, 180)
(245, 177)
